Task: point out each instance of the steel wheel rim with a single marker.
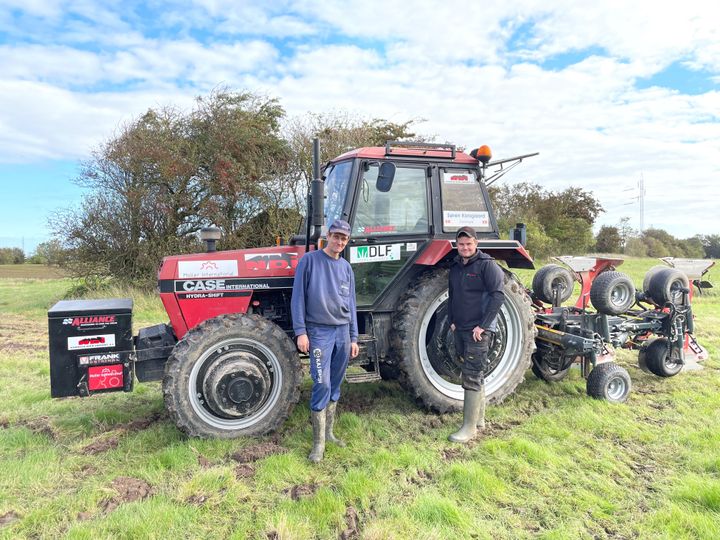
(616, 388)
(620, 295)
(508, 322)
(248, 346)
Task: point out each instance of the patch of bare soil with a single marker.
(300, 491)
(41, 426)
(84, 516)
(141, 423)
(18, 334)
(204, 462)
(422, 478)
(4, 423)
(197, 499)
(353, 526)
(450, 454)
(244, 470)
(103, 445)
(257, 451)
(128, 490)
(273, 535)
(8, 518)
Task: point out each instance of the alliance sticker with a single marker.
(453, 218)
(206, 269)
(379, 253)
(91, 342)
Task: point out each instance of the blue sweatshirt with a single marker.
(323, 293)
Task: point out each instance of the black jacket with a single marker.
(475, 292)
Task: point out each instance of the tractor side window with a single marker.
(402, 210)
(463, 203)
(336, 185)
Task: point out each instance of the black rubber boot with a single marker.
(318, 425)
(329, 423)
(471, 412)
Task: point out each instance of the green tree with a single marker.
(608, 240)
(12, 256)
(711, 245)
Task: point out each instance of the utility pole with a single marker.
(642, 202)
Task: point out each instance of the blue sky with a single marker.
(606, 93)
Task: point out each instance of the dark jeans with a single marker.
(473, 355)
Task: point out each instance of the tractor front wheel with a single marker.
(231, 376)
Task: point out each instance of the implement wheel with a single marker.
(610, 382)
(550, 278)
(657, 358)
(612, 293)
(231, 376)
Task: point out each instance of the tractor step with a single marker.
(370, 376)
(366, 343)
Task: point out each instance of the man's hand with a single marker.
(477, 333)
(354, 350)
(452, 327)
(303, 343)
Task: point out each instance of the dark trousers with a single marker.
(473, 355)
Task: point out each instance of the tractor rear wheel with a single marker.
(231, 376)
(422, 340)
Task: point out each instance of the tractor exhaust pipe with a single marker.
(316, 201)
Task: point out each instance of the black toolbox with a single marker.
(91, 347)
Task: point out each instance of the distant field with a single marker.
(30, 271)
(552, 464)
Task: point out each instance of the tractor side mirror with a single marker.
(385, 178)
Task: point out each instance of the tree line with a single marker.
(236, 161)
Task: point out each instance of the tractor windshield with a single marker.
(336, 185)
(463, 202)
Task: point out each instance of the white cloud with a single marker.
(450, 64)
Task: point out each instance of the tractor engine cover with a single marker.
(91, 347)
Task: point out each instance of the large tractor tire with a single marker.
(422, 340)
(551, 278)
(231, 376)
(612, 293)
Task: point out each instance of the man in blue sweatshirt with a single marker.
(475, 296)
(325, 323)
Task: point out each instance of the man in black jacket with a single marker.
(475, 298)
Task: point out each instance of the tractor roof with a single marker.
(434, 152)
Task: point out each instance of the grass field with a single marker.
(552, 463)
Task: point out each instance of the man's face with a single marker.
(466, 246)
(336, 242)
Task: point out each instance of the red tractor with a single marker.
(227, 360)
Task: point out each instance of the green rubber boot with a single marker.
(481, 413)
(471, 412)
(318, 425)
(329, 423)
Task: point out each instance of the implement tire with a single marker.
(422, 341)
(231, 376)
(666, 286)
(612, 293)
(550, 278)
